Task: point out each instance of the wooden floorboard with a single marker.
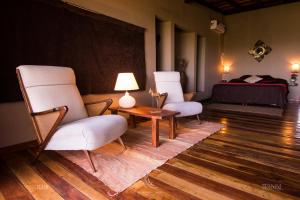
(221, 156)
(10, 186)
(251, 154)
(85, 182)
(31, 180)
(252, 157)
(246, 176)
(61, 186)
(208, 184)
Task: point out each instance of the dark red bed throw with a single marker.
(251, 93)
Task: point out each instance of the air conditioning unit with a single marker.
(217, 26)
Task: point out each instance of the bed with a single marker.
(267, 91)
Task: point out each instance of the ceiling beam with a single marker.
(260, 3)
(204, 3)
(237, 8)
(234, 4)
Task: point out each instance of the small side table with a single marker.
(154, 114)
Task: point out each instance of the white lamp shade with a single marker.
(126, 81)
(226, 69)
(295, 68)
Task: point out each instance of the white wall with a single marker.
(201, 44)
(277, 26)
(166, 48)
(186, 48)
(142, 13)
(15, 124)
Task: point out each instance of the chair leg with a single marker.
(121, 142)
(36, 156)
(198, 118)
(88, 155)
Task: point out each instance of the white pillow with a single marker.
(253, 79)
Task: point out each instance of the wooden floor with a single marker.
(251, 158)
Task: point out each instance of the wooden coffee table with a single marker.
(154, 114)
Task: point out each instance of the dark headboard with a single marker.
(50, 32)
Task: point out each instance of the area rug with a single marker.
(119, 168)
(257, 110)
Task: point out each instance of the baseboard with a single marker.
(294, 100)
(205, 101)
(18, 147)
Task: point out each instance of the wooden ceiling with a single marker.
(228, 7)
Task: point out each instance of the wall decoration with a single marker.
(181, 66)
(260, 50)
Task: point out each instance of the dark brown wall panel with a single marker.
(97, 47)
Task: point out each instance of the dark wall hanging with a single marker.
(49, 32)
(260, 50)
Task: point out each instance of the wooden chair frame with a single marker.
(62, 110)
(163, 101)
(164, 98)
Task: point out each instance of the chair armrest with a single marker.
(40, 118)
(61, 108)
(189, 96)
(163, 98)
(108, 102)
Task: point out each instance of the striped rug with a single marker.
(118, 168)
(249, 109)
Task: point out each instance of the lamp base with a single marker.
(126, 101)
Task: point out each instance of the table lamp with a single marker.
(126, 82)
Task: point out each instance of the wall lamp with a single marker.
(226, 70)
(294, 73)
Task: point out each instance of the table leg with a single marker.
(132, 121)
(155, 132)
(172, 128)
(114, 112)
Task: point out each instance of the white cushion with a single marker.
(89, 133)
(47, 97)
(167, 76)
(253, 79)
(48, 87)
(37, 75)
(169, 82)
(187, 108)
